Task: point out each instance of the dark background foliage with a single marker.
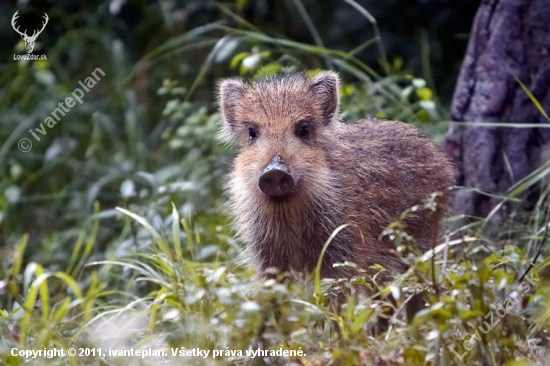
(411, 29)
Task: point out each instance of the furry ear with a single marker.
(231, 91)
(325, 88)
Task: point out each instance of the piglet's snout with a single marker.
(276, 180)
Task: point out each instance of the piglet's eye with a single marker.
(303, 130)
(252, 133)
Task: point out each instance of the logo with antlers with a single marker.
(29, 40)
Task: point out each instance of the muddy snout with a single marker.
(276, 179)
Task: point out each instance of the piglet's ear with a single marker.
(231, 92)
(325, 89)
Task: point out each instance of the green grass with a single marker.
(171, 301)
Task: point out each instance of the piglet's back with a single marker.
(388, 168)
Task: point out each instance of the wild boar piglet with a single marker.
(301, 173)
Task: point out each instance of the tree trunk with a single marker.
(510, 38)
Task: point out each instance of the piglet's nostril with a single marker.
(276, 179)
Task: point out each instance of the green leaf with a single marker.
(470, 314)
(516, 363)
(236, 60)
(424, 93)
(360, 319)
(268, 70)
(346, 89)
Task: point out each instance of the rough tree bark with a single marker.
(510, 38)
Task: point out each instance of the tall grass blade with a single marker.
(532, 97)
(318, 293)
(372, 20)
(176, 233)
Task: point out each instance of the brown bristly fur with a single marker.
(366, 174)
